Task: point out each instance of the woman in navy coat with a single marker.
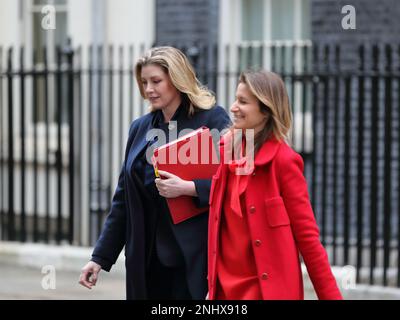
(163, 260)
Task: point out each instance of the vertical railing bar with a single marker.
(79, 141)
(325, 145)
(22, 122)
(387, 188)
(360, 163)
(374, 163)
(292, 93)
(11, 209)
(2, 142)
(398, 170)
(99, 140)
(304, 102)
(335, 150)
(46, 114)
(59, 153)
(35, 151)
(121, 104)
(131, 83)
(315, 104)
(227, 76)
(92, 212)
(110, 119)
(71, 154)
(273, 57)
(346, 178)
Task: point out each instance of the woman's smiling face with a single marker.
(246, 110)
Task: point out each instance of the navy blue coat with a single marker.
(125, 224)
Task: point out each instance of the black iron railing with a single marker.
(64, 123)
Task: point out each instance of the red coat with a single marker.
(281, 224)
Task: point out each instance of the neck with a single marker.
(169, 111)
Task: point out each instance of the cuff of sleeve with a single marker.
(105, 264)
(203, 192)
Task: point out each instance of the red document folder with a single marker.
(192, 156)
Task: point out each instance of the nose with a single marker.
(148, 88)
(234, 107)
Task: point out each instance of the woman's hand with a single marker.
(88, 277)
(173, 186)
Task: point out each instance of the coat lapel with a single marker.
(139, 144)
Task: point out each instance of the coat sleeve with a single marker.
(112, 238)
(218, 119)
(305, 229)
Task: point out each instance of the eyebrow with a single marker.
(241, 97)
(152, 78)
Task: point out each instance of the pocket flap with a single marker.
(276, 212)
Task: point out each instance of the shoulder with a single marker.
(217, 111)
(142, 121)
(216, 117)
(288, 158)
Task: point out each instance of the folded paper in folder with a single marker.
(190, 157)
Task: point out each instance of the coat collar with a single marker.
(180, 114)
(267, 152)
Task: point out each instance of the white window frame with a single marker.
(231, 20)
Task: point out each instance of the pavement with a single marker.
(34, 283)
(38, 271)
(49, 272)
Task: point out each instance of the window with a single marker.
(275, 20)
(271, 34)
(253, 20)
(282, 20)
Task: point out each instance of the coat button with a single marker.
(257, 243)
(264, 276)
(252, 209)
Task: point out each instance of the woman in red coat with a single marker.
(260, 213)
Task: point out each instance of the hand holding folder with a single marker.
(190, 157)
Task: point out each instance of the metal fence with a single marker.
(63, 126)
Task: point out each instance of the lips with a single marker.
(235, 118)
(152, 99)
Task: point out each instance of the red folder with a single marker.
(192, 156)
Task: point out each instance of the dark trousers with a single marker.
(166, 283)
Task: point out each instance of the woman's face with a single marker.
(246, 110)
(158, 87)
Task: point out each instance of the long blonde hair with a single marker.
(273, 99)
(181, 73)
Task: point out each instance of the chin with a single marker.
(237, 125)
(156, 106)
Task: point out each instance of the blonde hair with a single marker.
(181, 73)
(273, 99)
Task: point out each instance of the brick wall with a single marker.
(191, 25)
(187, 21)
